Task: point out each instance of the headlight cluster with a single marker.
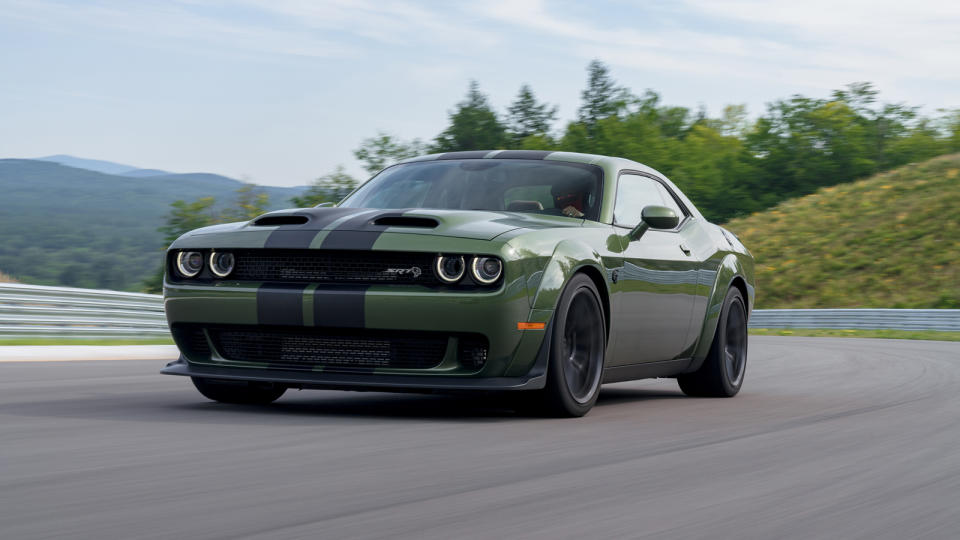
(483, 270)
(190, 263)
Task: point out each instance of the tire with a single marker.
(722, 372)
(238, 392)
(577, 349)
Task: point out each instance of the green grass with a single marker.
(929, 335)
(94, 341)
(891, 241)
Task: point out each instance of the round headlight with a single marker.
(221, 263)
(189, 263)
(450, 268)
(486, 270)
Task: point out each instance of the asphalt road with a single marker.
(830, 438)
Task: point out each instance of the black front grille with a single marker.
(191, 341)
(306, 348)
(330, 266)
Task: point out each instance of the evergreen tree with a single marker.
(528, 118)
(473, 126)
(602, 98)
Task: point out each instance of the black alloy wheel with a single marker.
(577, 350)
(722, 372)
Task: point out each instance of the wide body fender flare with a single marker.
(730, 269)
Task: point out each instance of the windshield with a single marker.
(512, 185)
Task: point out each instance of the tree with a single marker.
(385, 149)
(950, 128)
(332, 187)
(734, 122)
(185, 217)
(473, 126)
(528, 118)
(602, 98)
(251, 202)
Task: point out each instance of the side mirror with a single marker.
(655, 217)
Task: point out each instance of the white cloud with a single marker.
(821, 43)
(176, 23)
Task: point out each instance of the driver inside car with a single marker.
(570, 200)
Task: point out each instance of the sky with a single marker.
(280, 92)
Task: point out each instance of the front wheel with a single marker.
(721, 374)
(238, 392)
(576, 350)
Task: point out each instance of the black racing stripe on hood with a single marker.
(523, 154)
(290, 239)
(357, 232)
(280, 304)
(471, 154)
(340, 307)
(300, 236)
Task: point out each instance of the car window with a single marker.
(511, 185)
(634, 192)
(408, 193)
(669, 201)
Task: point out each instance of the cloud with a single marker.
(821, 43)
(178, 24)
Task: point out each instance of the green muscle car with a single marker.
(530, 274)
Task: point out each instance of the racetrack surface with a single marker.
(830, 438)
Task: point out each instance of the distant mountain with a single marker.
(63, 225)
(144, 173)
(106, 167)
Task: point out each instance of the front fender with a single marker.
(731, 267)
(568, 258)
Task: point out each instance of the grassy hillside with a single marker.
(892, 240)
(68, 226)
(6, 279)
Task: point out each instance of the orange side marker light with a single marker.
(531, 325)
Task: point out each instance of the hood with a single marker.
(472, 224)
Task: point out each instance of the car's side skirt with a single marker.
(646, 370)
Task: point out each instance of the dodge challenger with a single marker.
(521, 274)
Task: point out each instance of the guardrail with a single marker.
(64, 312)
(945, 320)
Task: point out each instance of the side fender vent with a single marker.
(281, 220)
(404, 221)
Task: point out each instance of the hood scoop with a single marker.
(280, 220)
(406, 221)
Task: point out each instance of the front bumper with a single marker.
(533, 380)
(513, 355)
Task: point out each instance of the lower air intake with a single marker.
(308, 348)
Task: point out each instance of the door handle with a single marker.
(684, 249)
